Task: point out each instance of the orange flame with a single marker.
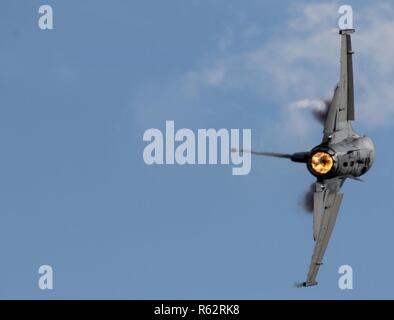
(321, 162)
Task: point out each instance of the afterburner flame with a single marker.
(321, 162)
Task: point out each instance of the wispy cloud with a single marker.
(295, 66)
(301, 63)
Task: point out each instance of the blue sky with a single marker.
(76, 194)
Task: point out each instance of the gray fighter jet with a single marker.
(342, 154)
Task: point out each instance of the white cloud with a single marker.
(301, 61)
(315, 16)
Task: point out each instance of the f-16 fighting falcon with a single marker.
(342, 154)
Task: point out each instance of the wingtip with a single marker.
(305, 284)
(309, 284)
(347, 31)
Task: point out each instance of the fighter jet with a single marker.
(342, 154)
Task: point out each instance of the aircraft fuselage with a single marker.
(351, 157)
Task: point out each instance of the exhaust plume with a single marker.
(319, 108)
(307, 199)
(298, 284)
(267, 154)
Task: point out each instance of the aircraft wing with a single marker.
(327, 201)
(337, 126)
